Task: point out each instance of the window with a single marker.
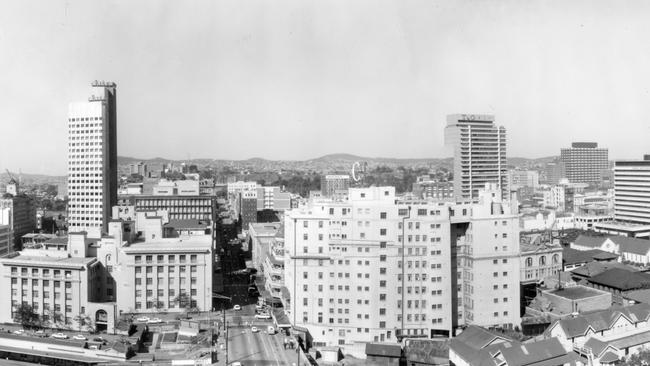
(382, 232)
(382, 215)
(305, 224)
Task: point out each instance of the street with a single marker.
(258, 348)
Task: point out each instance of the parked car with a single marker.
(236, 307)
(40, 333)
(236, 364)
(80, 337)
(19, 331)
(59, 336)
(154, 321)
(262, 316)
(254, 329)
(100, 339)
(270, 330)
(143, 319)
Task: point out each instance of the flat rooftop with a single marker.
(576, 292)
(620, 225)
(180, 244)
(49, 261)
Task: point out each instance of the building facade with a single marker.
(331, 183)
(479, 150)
(632, 190)
(19, 213)
(6, 240)
(584, 162)
(92, 161)
(372, 268)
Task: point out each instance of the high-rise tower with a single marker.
(92, 161)
(479, 154)
(585, 162)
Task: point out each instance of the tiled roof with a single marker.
(383, 349)
(530, 353)
(477, 337)
(597, 346)
(622, 279)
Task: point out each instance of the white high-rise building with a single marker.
(92, 161)
(373, 268)
(632, 190)
(479, 148)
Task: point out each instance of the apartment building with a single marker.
(178, 207)
(479, 150)
(373, 268)
(19, 213)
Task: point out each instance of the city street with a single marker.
(258, 348)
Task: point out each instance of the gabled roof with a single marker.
(383, 349)
(590, 241)
(477, 337)
(596, 346)
(622, 279)
(601, 320)
(531, 353)
(631, 245)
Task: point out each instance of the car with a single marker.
(80, 337)
(254, 329)
(19, 331)
(262, 316)
(95, 347)
(270, 330)
(100, 340)
(236, 307)
(143, 319)
(236, 364)
(259, 307)
(154, 321)
(59, 336)
(40, 333)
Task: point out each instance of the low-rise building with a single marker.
(629, 249)
(622, 330)
(540, 257)
(574, 258)
(476, 346)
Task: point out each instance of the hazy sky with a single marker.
(297, 80)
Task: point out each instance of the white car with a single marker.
(254, 330)
(143, 319)
(236, 307)
(19, 331)
(235, 364)
(40, 333)
(80, 337)
(155, 321)
(59, 336)
(263, 316)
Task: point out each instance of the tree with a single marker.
(26, 316)
(85, 322)
(639, 359)
(183, 302)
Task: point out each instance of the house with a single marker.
(478, 347)
(630, 249)
(574, 258)
(625, 329)
(383, 354)
(592, 269)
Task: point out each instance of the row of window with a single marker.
(161, 269)
(161, 258)
(35, 273)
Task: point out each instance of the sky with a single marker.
(296, 80)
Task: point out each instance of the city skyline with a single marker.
(324, 78)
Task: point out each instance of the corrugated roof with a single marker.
(574, 256)
(590, 241)
(602, 319)
(430, 351)
(631, 245)
(592, 269)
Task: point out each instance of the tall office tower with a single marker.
(479, 154)
(374, 268)
(632, 190)
(584, 162)
(331, 183)
(92, 161)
